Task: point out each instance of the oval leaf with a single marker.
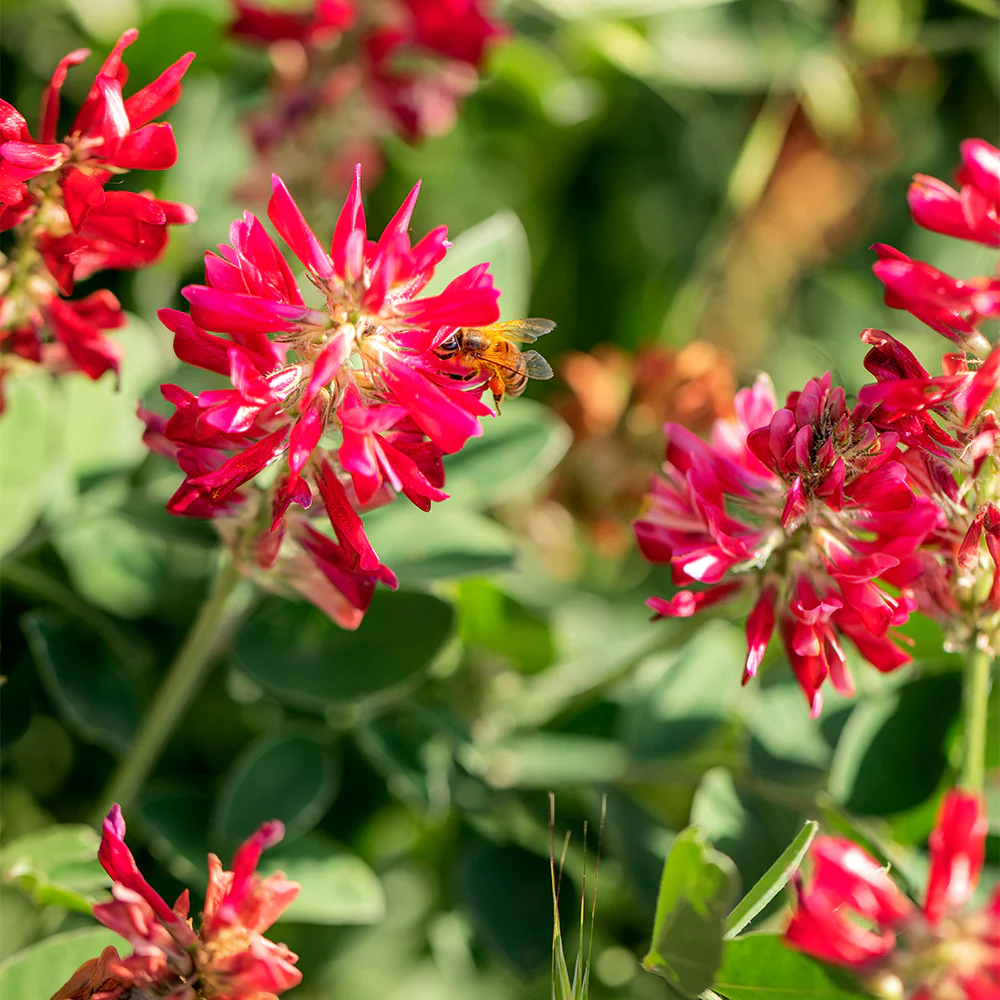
(85, 680)
(24, 457)
(878, 768)
(292, 776)
(761, 965)
(299, 655)
(445, 543)
(695, 895)
(36, 972)
(337, 887)
(515, 453)
(57, 866)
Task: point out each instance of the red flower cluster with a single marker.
(346, 73)
(817, 507)
(354, 398)
(903, 951)
(949, 423)
(227, 958)
(68, 226)
(807, 506)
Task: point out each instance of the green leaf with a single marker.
(98, 421)
(695, 895)
(761, 966)
(771, 882)
(676, 698)
(503, 888)
(517, 450)
(292, 775)
(56, 866)
(175, 826)
(113, 563)
(549, 760)
(747, 828)
(24, 449)
(84, 678)
(878, 767)
(786, 744)
(337, 887)
(39, 970)
(502, 242)
(444, 543)
(296, 652)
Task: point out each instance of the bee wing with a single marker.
(523, 331)
(536, 366)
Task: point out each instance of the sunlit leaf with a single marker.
(24, 451)
(40, 969)
(517, 450)
(447, 542)
(772, 881)
(696, 891)
(337, 887)
(56, 866)
(761, 965)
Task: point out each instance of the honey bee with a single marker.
(490, 350)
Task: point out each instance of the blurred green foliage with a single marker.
(679, 169)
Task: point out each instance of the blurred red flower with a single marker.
(226, 958)
(851, 913)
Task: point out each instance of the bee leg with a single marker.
(497, 388)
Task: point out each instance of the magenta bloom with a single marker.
(952, 307)
(349, 401)
(71, 221)
(851, 913)
(973, 211)
(948, 424)
(226, 958)
(805, 508)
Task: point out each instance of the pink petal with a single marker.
(351, 220)
(291, 225)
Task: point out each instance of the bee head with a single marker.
(474, 340)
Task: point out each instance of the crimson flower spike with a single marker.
(834, 521)
(68, 224)
(948, 424)
(803, 509)
(353, 401)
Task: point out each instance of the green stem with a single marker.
(977, 696)
(223, 606)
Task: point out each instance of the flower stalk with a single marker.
(222, 608)
(977, 696)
